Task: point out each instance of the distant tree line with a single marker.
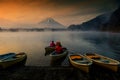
(29, 29)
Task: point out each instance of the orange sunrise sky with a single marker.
(66, 12)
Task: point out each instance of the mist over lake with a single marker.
(34, 43)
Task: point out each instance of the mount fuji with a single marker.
(50, 23)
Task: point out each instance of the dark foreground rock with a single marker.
(36, 73)
(57, 73)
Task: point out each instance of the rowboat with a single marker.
(55, 56)
(49, 50)
(103, 61)
(9, 59)
(80, 62)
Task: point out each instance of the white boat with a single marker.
(81, 62)
(55, 56)
(103, 61)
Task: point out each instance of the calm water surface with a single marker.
(33, 43)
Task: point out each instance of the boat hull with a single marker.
(83, 67)
(105, 62)
(108, 66)
(58, 56)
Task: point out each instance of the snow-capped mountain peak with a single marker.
(50, 23)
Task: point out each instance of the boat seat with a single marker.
(94, 57)
(83, 61)
(105, 61)
(22, 53)
(18, 55)
(75, 57)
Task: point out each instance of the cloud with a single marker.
(60, 4)
(36, 10)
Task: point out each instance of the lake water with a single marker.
(34, 43)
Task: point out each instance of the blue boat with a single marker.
(9, 59)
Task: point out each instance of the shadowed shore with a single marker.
(57, 73)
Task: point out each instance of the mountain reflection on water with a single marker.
(34, 43)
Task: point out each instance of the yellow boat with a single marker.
(103, 61)
(9, 59)
(81, 62)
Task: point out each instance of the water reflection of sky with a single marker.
(33, 43)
